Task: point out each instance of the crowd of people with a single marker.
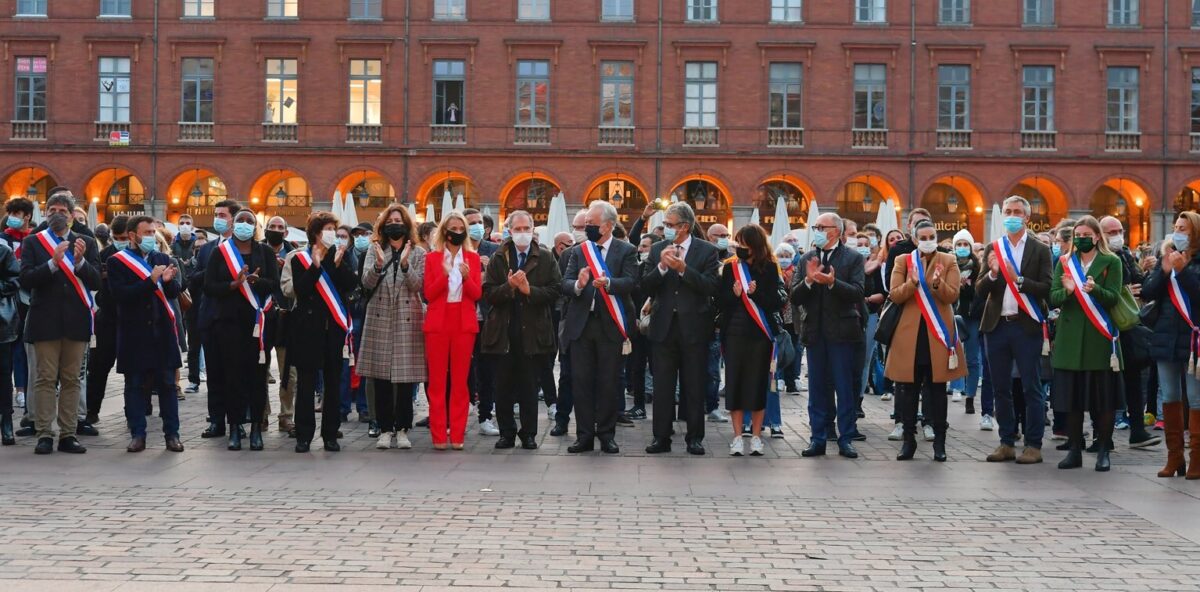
(640, 323)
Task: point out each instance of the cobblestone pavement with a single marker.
(210, 519)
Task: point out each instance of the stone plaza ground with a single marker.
(367, 519)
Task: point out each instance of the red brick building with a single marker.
(947, 104)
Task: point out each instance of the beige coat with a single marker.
(901, 357)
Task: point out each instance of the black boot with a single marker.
(1102, 462)
(6, 430)
(909, 447)
(214, 430)
(939, 444)
(906, 411)
(1074, 458)
(256, 440)
(235, 436)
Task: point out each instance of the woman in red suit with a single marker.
(452, 285)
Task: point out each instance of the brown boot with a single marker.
(1030, 456)
(1003, 453)
(1193, 470)
(1173, 425)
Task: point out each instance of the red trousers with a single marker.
(448, 356)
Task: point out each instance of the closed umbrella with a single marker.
(997, 224)
(93, 218)
(783, 225)
(336, 208)
(349, 215)
(412, 210)
(447, 203)
(430, 214)
(459, 204)
(557, 221)
(813, 213)
(37, 213)
(754, 217)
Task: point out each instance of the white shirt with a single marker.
(1009, 306)
(456, 278)
(683, 249)
(603, 254)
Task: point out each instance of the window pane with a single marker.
(534, 10)
(450, 9)
(283, 8)
(366, 9)
(31, 7)
(617, 10)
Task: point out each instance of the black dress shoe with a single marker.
(969, 406)
(301, 446)
(86, 429)
(214, 430)
(505, 442)
(580, 446)
(695, 447)
(256, 439)
(332, 446)
(44, 446)
(813, 449)
(624, 420)
(6, 430)
(26, 432)
(939, 451)
(173, 444)
(609, 446)
(847, 450)
(26, 422)
(136, 445)
(423, 422)
(858, 437)
(373, 430)
(559, 429)
(71, 445)
(235, 437)
(658, 446)
(529, 443)
(1102, 462)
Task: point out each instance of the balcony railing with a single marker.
(280, 132)
(1039, 140)
(616, 136)
(785, 137)
(447, 134)
(701, 136)
(954, 139)
(869, 138)
(364, 133)
(195, 132)
(1123, 141)
(1195, 142)
(28, 130)
(531, 134)
(104, 129)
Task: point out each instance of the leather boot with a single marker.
(1102, 462)
(214, 430)
(939, 443)
(904, 403)
(1193, 469)
(1173, 427)
(256, 439)
(6, 430)
(235, 436)
(1074, 458)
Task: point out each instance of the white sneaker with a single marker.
(756, 447)
(736, 448)
(885, 397)
(385, 440)
(986, 424)
(717, 416)
(897, 434)
(401, 441)
(551, 411)
(957, 398)
(488, 428)
(929, 435)
(20, 402)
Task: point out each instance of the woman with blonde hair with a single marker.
(453, 284)
(393, 347)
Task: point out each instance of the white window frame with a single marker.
(1195, 112)
(1124, 13)
(533, 10)
(700, 96)
(1195, 13)
(616, 10)
(282, 112)
(787, 11)
(31, 8)
(954, 97)
(1037, 99)
(371, 111)
(366, 10)
(530, 73)
(785, 85)
(1122, 95)
(195, 83)
(449, 10)
(954, 12)
(113, 102)
(116, 8)
(27, 112)
(283, 9)
(199, 9)
(449, 71)
(1037, 13)
(617, 89)
(874, 91)
(701, 11)
(870, 12)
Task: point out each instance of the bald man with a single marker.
(562, 242)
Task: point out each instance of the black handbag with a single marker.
(889, 319)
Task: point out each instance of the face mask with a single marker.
(220, 225)
(16, 222)
(669, 233)
(1013, 224)
(1180, 240)
(1056, 250)
(456, 238)
(1084, 244)
(341, 242)
(962, 252)
(743, 253)
(243, 231)
(874, 242)
(274, 237)
(820, 239)
(522, 239)
(785, 264)
(58, 223)
(642, 257)
(361, 243)
(328, 237)
(505, 235)
(592, 232)
(148, 244)
(395, 231)
(121, 245)
(476, 232)
(185, 230)
(1116, 242)
(864, 251)
(927, 246)
(578, 236)
(723, 244)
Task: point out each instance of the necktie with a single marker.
(597, 302)
(520, 261)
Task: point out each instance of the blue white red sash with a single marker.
(599, 269)
(933, 320)
(142, 270)
(1183, 305)
(741, 275)
(337, 309)
(1024, 302)
(1094, 311)
(49, 241)
(235, 265)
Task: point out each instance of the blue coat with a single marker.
(146, 338)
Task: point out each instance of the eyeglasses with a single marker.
(824, 228)
(674, 226)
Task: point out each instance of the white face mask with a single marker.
(579, 236)
(185, 229)
(328, 237)
(1116, 242)
(927, 246)
(522, 239)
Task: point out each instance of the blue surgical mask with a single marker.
(874, 241)
(723, 244)
(505, 234)
(475, 231)
(121, 245)
(243, 231)
(962, 252)
(820, 239)
(361, 243)
(1013, 224)
(220, 225)
(341, 242)
(16, 222)
(1181, 240)
(785, 264)
(1056, 250)
(864, 251)
(148, 244)
(669, 233)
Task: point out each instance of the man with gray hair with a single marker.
(60, 268)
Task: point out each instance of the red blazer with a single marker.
(437, 286)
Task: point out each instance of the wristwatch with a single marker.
(1020, 281)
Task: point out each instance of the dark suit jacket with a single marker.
(229, 305)
(146, 336)
(314, 334)
(55, 309)
(832, 313)
(689, 295)
(623, 271)
(1036, 268)
(205, 307)
(535, 325)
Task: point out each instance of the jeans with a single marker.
(712, 398)
(970, 385)
(772, 417)
(137, 385)
(566, 398)
(1171, 379)
(868, 348)
(1007, 344)
(831, 369)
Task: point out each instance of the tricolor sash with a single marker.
(235, 265)
(337, 309)
(1183, 305)
(1095, 313)
(142, 270)
(49, 241)
(741, 275)
(1024, 302)
(933, 320)
(599, 269)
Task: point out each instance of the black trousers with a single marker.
(306, 388)
(1135, 398)
(100, 363)
(595, 369)
(194, 343)
(216, 377)
(482, 380)
(6, 374)
(932, 397)
(242, 380)
(393, 405)
(516, 374)
(636, 367)
(676, 361)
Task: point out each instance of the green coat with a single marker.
(1077, 343)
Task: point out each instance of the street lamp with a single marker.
(952, 202)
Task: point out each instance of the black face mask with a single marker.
(274, 237)
(395, 231)
(456, 238)
(743, 253)
(593, 232)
